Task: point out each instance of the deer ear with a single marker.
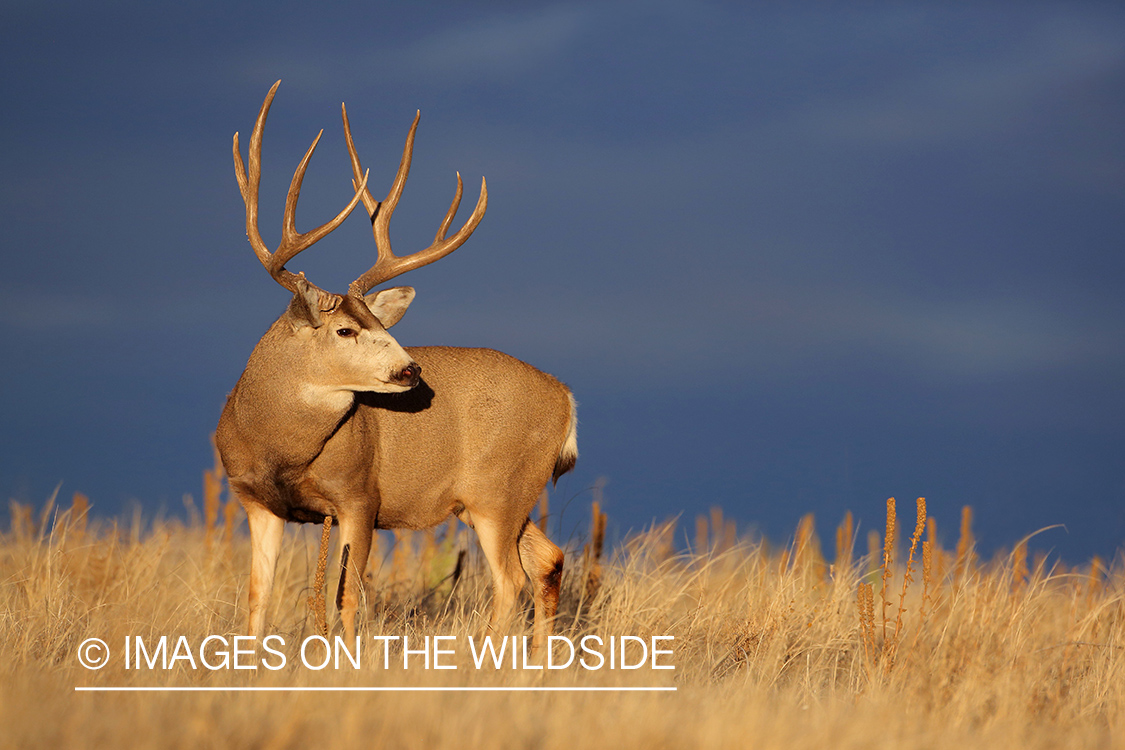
(390, 304)
(305, 307)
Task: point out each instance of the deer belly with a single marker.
(419, 512)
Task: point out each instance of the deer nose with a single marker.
(410, 375)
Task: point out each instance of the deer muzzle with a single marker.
(409, 375)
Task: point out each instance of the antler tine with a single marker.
(388, 265)
(292, 241)
(369, 201)
(248, 183)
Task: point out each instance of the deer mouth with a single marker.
(408, 377)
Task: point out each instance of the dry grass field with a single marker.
(871, 644)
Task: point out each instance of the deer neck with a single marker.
(281, 407)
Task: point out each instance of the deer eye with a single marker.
(345, 332)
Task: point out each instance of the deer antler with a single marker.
(388, 265)
(292, 241)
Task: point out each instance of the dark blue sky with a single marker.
(788, 260)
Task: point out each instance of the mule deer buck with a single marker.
(332, 417)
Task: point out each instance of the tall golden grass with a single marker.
(774, 648)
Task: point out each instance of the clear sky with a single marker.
(789, 257)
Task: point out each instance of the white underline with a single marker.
(195, 689)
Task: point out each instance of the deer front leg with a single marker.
(355, 544)
(265, 544)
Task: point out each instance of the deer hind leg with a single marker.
(543, 563)
(266, 531)
(500, 544)
(355, 545)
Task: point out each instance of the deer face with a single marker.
(348, 347)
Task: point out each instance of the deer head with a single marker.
(339, 342)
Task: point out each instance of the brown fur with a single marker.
(479, 436)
